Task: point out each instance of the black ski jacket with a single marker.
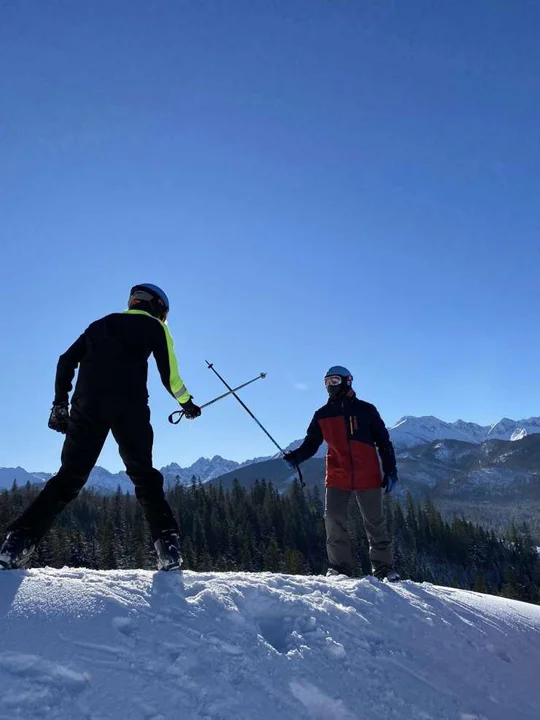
(112, 355)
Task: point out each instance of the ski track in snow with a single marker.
(93, 645)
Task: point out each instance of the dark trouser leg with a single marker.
(338, 542)
(84, 441)
(130, 425)
(370, 503)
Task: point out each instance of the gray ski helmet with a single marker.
(346, 381)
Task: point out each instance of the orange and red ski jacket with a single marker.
(353, 431)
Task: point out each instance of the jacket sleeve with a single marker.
(383, 443)
(65, 370)
(167, 364)
(312, 442)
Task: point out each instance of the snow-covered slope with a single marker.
(80, 644)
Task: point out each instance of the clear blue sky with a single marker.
(312, 182)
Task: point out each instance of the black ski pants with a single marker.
(89, 424)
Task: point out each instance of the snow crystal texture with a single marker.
(81, 644)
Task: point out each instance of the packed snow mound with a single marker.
(150, 646)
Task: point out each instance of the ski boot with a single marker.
(386, 574)
(338, 572)
(16, 550)
(168, 551)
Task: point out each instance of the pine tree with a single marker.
(272, 556)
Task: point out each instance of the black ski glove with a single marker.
(291, 459)
(58, 419)
(389, 481)
(191, 411)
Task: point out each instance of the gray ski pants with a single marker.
(338, 542)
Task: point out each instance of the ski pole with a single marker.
(181, 413)
(243, 404)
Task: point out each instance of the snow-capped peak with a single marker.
(507, 429)
(203, 469)
(411, 431)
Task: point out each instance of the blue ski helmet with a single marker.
(339, 370)
(150, 298)
(334, 387)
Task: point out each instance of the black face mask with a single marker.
(335, 391)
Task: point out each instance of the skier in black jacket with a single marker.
(110, 395)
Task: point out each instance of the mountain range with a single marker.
(408, 434)
(412, 431)
(489, 474)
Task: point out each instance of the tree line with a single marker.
(260, 529)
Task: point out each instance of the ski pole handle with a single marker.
(172, 419)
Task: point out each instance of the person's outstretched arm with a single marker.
(312, 442)
(65, 370)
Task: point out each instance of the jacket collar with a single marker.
(140, 312)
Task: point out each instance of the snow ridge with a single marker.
(82, 644)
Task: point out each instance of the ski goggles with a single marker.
(333, 380)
